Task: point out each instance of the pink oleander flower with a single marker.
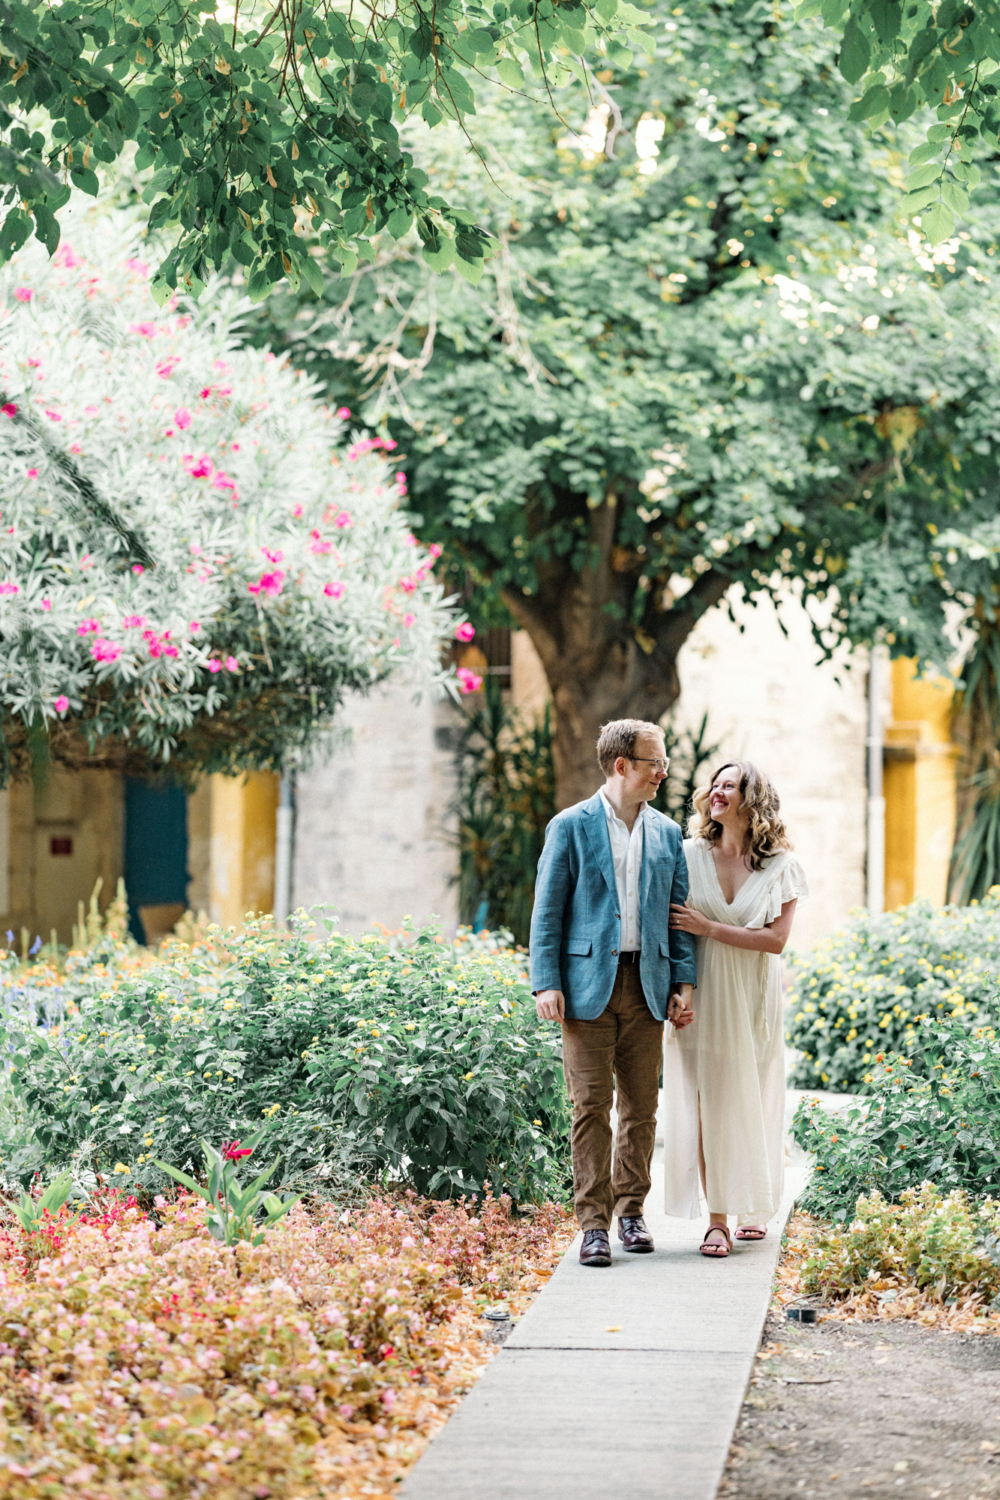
(32, 473)
(409, 620)
(343, 519)
(10, 588)
(46, 605)
(61, 704)
(9, 409)
(468, 681)
(214, 665)
(86, 626)
(138, 568)
(24, 294)
(182, 417)
(465, 631)
(144, 330)
(232, 665)
(333, 590)
(269, 583)
(343, 412)
(103, 650)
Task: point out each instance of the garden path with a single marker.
(627, 1381)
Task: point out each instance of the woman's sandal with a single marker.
(751, 1232)
(715, 1249)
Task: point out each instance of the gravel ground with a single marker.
(838, 1410)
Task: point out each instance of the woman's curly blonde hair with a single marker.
(766, 835)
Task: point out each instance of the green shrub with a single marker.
(935, 1119)
(940, 1243)
(871, 987)
(416, 1061)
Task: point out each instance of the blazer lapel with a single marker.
(650, 854)
(600, 840)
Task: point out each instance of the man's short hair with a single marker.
(619, 737)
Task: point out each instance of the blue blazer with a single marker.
(576, 925)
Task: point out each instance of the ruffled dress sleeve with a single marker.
(788, 883)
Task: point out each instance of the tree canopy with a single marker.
(196, 561)
(714, 349)
(259, 117)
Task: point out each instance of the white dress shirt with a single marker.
(626, 855)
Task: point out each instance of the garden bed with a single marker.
(140, 1359)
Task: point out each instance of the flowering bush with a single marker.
(934, 1118)
(872, 987)
(941, 1243)
(140, 1359)
(195, 563)
(415, 1059)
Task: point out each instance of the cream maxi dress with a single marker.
(729, 1065)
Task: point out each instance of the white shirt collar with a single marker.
(610, 812)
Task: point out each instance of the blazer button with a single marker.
(614, 952)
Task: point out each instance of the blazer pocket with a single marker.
(580, 947)
(664, 948)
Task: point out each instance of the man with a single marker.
(605, 963)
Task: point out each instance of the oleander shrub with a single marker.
(930, 1118)
(140, 1359)
(409, 1060)
(943, 1243)
(871, 987)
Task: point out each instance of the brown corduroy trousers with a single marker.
(620, 1049)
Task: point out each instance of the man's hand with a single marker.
(679, 1009)
(550, 1005)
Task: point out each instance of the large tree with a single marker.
(267, 116)
(713, 350)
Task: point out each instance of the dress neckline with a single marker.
(728, 904)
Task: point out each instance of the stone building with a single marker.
(372, 822)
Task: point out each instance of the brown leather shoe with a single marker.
(634, 1235)
(596, 1248)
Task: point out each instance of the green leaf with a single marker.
(874, 102)
(927, 151)
(854, 54)
(510, 72)
(938, 223)
(955, 196)
(471, 271)
(928, 173)
(440, 253)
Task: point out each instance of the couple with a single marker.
(628, 921)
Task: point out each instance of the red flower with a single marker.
(233, 1151)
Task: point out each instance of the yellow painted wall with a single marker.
(242, 819)
(920, 771)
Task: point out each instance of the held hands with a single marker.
(679, 1009)
(687, 919)
(550, 1005)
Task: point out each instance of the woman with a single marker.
(724, 1077)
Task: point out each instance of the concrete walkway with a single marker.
(621, 1382)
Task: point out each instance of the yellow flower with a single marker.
(468, 1076)
(376, 1033)
(147, 1140)
(121, 1167)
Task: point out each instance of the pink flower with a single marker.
(408, 1242)
(334, 590)
(32, 473)
(318, 545)
(134, 622)
(144, 330)
(388, 1398)
(343, 520)
(61, 704)
(408, 585)
(138, 266)
(67, 257)
(53, 416)
(46, 605)
(9, 409)
(296, 511)
(214, 665)
(86, 626)
(233, 1151)
(138, 568)
(75, 448)
(182, 417)
(409, 540)
(224, 481)
(91, 411)
(232, 665)
(103, 650)
(409, 620)
(24, 294)
(347, 1412)
(343, 412)
(465, 631)
(269, 583)
(435, 550)
(202, 469)
(166, 366)
(205, 392)
(195, 626)
(275, 557)
(9, 588)
(33, 364)
(469, 682)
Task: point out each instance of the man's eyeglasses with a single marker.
(661, 765)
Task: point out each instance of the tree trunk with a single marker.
(598, 666)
